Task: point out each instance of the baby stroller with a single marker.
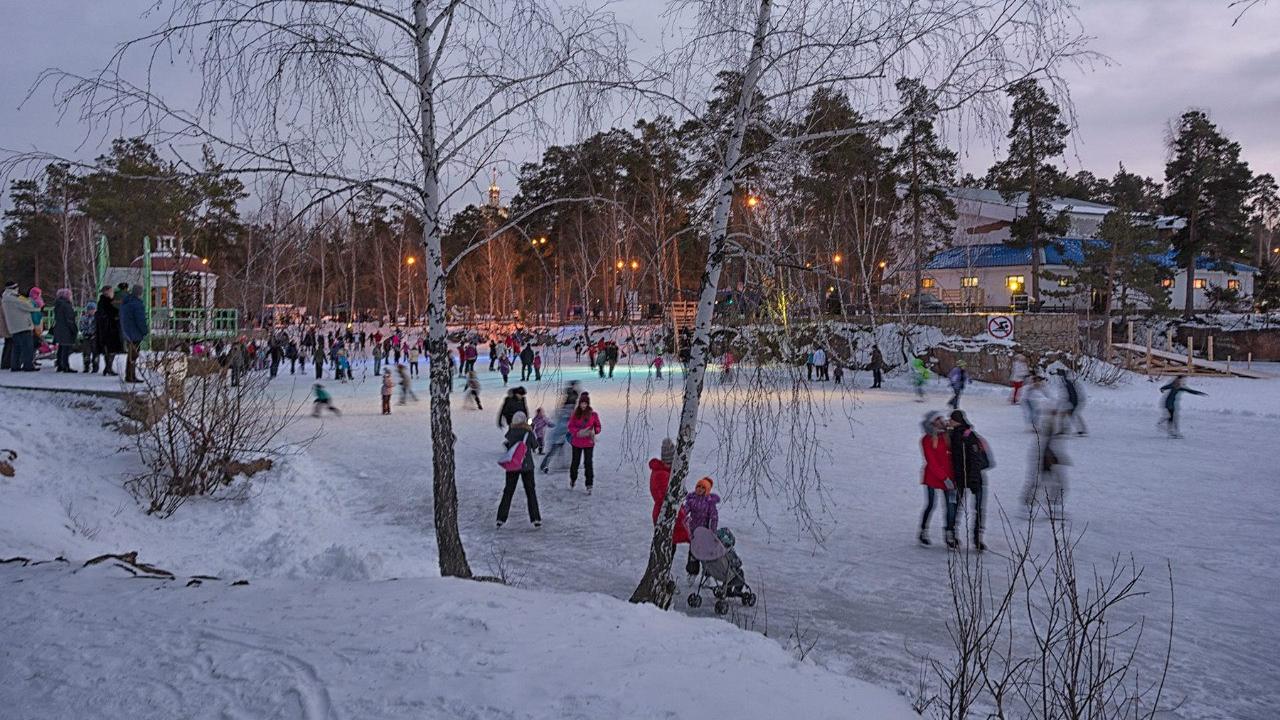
(721, 569)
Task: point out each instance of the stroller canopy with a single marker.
(705, 546)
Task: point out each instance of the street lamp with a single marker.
(619, 265)
(752, 201)
(635, 264)
(410, 260)
(837, 258)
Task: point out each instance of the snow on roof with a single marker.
(994, 197)
(1060, 251)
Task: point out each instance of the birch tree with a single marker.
(965, 51)
(412, 98)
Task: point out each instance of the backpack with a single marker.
(513, 460)
(982, 454)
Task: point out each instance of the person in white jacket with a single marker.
(1018, 376)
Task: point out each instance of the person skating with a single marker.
(1018, 374)
(1070, 404)
(276, 354)
(540, 424)
(657, 363)
(238, 361)
(1171, 392)
(406, 384)
(560, 433)
(65, 330)
(837, 373)
(611, 356)
(584, 426)
(513, 403)
(958, 378)
(820, 363)
(414, 353)
(518, 432)
(317, 357)
(701, 511)
(970, 457)
(89, 338)
(919, 376)
(537, 366)
(323, 400)
(291, 352)
(493, 354)
(388, 387)
(344, 363)
(107, 333)
(473, 388)
(1046, 483)
(526, 363)
(877, 366)
(504, 366)
(1036, 403)
(935, 446)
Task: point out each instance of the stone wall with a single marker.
(1058, 332)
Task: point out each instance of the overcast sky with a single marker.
(1165, 56)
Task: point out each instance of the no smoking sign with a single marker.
(1000, 327)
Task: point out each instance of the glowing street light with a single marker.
(837, 258)
(620, 264)
(635, 264)
(410, 260)
(752, 201)
(883, 264)
(542, 240)
(204, 261)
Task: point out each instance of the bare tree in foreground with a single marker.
(965, 52)
(413, 99)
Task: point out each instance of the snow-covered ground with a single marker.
(354, 507)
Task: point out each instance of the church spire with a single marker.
(495, 192)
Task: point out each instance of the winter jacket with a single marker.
(1020, 369)
(938, 466)
(583, 430)
(877, 359)
(133, 319)
(108, 321)
(17, 311)
(702, 511)
(388, 385)
(526, 355)
(958, 377)
(511, 404)
(64, 322)
(1171, 394)
(659, 480)
(540, 425)
(966, 457)
(88, 326)
(515, 434)
(819, 359)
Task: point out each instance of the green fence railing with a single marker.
(182, 323)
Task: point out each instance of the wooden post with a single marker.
(1128, 357)
(1210, 348)
(1108, 352)
(1191, 349)
(1168, 339)
(1130, 332)
(1228, 364)
(1150, 333)
(1248, 363)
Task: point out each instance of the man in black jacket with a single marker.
(513, 403)
(969, 458)
(64, 330)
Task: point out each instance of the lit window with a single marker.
(1233, 284)
(1064, 282)
(928, 283)
(1015, 282)
(1166, 283)
(968, 282)
(1201, 283)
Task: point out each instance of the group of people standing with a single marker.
(116, 324)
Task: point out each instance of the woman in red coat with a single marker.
(659, 480)
(937, 475)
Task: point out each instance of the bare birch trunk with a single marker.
(453, 558)
(653, 587)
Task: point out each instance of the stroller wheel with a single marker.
(749, 599)
(695, 600)
(722, 607)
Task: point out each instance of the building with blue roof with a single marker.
(995, 275)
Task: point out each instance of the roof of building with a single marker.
(994, 197)
(1061, 251)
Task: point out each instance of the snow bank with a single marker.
(424, 648)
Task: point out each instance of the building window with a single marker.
(968, 282)
(1015, 282)
(1166, 283)
(928, 283)
(1064, 282)
(1233, 285)
(1201, 283)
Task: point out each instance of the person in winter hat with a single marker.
(65, 329)
(919, 376)
(970, 457)
(701, 511)
(473, 388)
(17, 316)
(520, 431)
(513, 403)
(959, 378)
(388, 388)
(1069, 405)
(504, 366)
(935, 446)
(560, 435)
(133, 323)
(88, 338)
(406, 384)
(584, 426)
(659, 482)
(323, 400)
(540, 424)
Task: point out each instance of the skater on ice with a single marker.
(1171, 392)
(584, 426)
(958, 378)
(520, 434)
(935, 446)
(970, 458)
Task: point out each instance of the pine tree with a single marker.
(1121, 265)
(926, 167)
(1036, 136)
(1207, 184)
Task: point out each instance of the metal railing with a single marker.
(182, 323)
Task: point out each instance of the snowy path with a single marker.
(356, 506)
